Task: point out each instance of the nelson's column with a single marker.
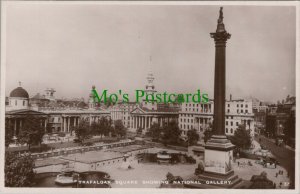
(218, 155)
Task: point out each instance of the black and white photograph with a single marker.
(156, 95)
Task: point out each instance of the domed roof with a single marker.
(19, 92)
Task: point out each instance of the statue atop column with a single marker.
(220, 20)
(220, 34)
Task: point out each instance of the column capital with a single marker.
(220, 37)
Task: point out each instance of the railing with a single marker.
(79, 149)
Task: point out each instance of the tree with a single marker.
(287, 98)
(241, 137)
(48, 128)
(139, 131)
(261, 182)
(171, 178)
(193, 136)
(171, 133)
(95, 128)
(119, 129)
(83, 130)
(155, 131)
(9, 134)
(290, 128)
(32, 131)
(18, 170)
(200, 169)
(208, 132)
(72, 129)
(105, 126)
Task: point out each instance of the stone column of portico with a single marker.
(133, 122)
(69, 121)
(15, 127)
(140, 121)
(20, 125)
(65, 124)
(161, 121)
(61, 123)
(45, 125)
(149, 122)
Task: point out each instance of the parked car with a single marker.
(274, 160)
(76, 141)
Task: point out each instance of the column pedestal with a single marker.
(218, 155)
(218, 161)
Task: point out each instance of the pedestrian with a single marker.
(280, 184)
(238, 163)
(274, 185)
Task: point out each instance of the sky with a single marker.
(71, 47)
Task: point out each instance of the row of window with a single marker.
(226, 130)
(16, 102)
(98, 164)
(183, 126)
(197, 105)
(246, 111)
(246, 105)
(197, 110)
(201, 121)
(231, 123)
(192, 120)
(186, 115)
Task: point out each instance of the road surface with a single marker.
(285, 156)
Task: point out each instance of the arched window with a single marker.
(24, 102)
